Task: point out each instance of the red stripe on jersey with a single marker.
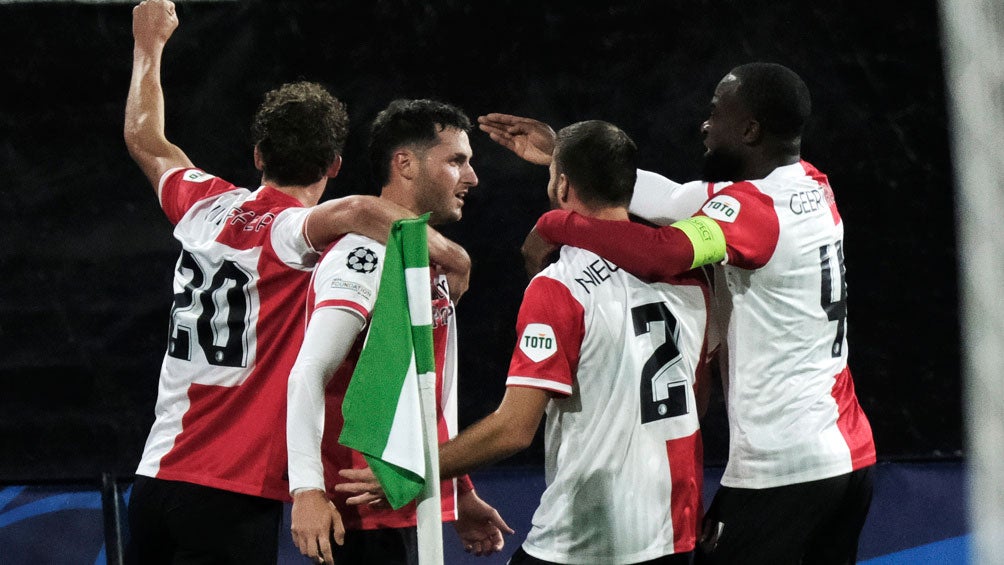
(686, 470)
(344, 304)
(752, 237)
(824, 183)
(178, 195)
(711, 189)
(852, 422)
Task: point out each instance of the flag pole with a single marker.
(429, 506)
(430, 509)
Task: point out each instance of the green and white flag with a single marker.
(382, 409)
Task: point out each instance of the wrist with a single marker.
(305, 491)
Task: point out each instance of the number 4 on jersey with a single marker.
(834, 306)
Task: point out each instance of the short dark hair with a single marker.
(776, 96)
(300, 130)
(414, 123)
(599, 159)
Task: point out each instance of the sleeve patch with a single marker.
(362, 260)
(538, 342)
(723, 208)
(195, 175)
(357, 288)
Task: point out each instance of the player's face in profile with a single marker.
(445, 176)
(723, 133)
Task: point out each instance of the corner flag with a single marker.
(382, 409)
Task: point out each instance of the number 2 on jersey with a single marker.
(661, 397)
(836, 309)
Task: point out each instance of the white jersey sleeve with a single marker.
(348, 276)
(663, 201)
(330, 335)
(288, 239)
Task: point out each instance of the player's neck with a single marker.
(617, 213)
(308, 195)
(613, 213)
(402, 194)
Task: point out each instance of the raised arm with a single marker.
(153, 23)
(373, 217)
(530, 139)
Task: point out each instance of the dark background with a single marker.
(86, 256)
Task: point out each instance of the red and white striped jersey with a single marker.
(793, 414)
(623, 461)
(348, 277)
(236, 326)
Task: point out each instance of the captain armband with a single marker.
(707, 238)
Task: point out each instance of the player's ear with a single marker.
(259, 161)
(753, 132)
(562, 188)
(404, 162)
(336, 166)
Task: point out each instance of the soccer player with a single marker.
(421, 155)
(612, 361)
(211, 481)
(798, 482)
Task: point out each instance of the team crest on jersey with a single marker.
(723, 208)
(362, 260)
(538, 342)
(197, 176)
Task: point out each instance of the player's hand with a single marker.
(363, 488)
(479, 526)
(450, 260)
(537, 252)
(530, 139)
(153, 22)
(315, 522)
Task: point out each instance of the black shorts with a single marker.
(389, 546)
(523, 558)
(172, 522)
(813, 523)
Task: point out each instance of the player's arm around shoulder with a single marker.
(373, 217)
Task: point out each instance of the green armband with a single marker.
(707, 238)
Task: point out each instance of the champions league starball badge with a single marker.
(362, 260)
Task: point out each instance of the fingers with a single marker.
(499, 136)
(355, 488)
(365, 498)
(338, 532)
(324, 553)
(500, 119)
(310, 547)
(499, 523)
(358, 475)
(484, 547)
